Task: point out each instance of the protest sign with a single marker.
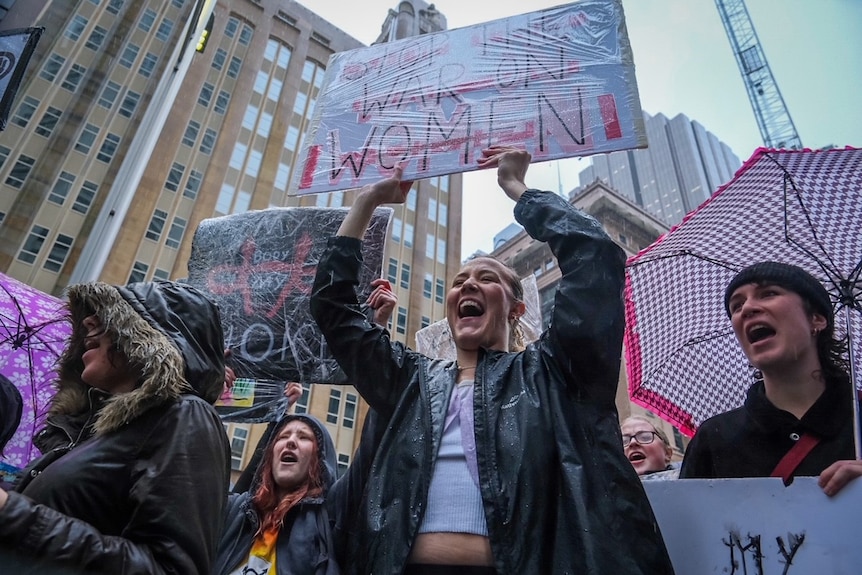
(259, 267)
(558, 82)
(16, 47)
(758, 526)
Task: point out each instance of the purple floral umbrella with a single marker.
(34, 329)
(800, 207)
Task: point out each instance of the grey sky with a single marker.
(684, 64)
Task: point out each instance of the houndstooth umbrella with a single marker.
(799, 207)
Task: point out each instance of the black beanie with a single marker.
(789, 277)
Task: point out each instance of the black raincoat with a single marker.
(135, 482)
(304, 545)
(559, 495)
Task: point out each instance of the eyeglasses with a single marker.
(642, 437)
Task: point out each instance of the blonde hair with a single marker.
(658, 431)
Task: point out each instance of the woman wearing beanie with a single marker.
(797, 419)
(134, 472)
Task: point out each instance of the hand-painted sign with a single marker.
(758, 526)
(16, 47)
(558, 82)
(259, 267)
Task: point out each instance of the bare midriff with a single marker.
(451, 549)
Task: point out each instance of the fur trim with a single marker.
(150, 354)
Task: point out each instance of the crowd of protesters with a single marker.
(509, 459)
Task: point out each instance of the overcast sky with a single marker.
(684, 64)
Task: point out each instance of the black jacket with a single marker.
(749, 441)
(304, 545)
(559, 495)
(133, 482)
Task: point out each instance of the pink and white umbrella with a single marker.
(34, 329)
(799, 207)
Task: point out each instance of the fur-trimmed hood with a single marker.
(170, 333)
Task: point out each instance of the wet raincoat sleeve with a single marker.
(585, 336)
(359, 346)
(175, 519)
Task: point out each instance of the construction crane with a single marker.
(773, 119)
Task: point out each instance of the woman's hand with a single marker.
(836, 476)
(292, 391)
(391, 190)
(382, 300)
(512, 165)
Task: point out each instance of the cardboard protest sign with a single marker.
(16, 47)
(739, 526)
(259, 267)
(558, 82)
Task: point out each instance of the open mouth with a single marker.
(759, 332)
(470, 308)
(636, 457)
(288, 458)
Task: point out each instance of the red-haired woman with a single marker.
(281, 526)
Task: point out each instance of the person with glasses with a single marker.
(650, 458)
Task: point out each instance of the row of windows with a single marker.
(35, 242)
(139, 273)
(157, 225)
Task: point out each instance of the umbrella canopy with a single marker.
(34, 329)
(799, 207)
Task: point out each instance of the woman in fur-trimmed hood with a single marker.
(134, 468)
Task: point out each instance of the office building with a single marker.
(681, 167)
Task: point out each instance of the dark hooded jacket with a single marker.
(132, 482)
(304, 545)
(559, 495)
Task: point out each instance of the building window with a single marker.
(443, 215)
(334, 406)
(109, 148)
(234, 67)
(231, 27)
(193, 185)
(405, 276)
(426, 321)
(130, 102)
(219, 58)
(208, 141)
(245, 35)
(396, 230)
(148, 65)
(49, 121)
(174, 176)
(441, 251)
(392, 274)
(57, 256)
(73, 77)
(148, 18)
(25, 111)
(401, 323)
(429, 246)
(221, 102)
(191, 134)
(157, 224)
(87, 138)
(52, 67)
(320, 38)
(206, 94)
(349, 410)
(432, 209)
(164, 31)
(85, 197)
(411, 199)
(678, 441)
(139, 272)
(130, 54)
(97, 37)
(441, 287)
(301, 405)
(4, 154)
(75, 28)
(114, 6)
(20, 171)
(343, 463)
(175, 235)
(109, 94)
(237, 447)
(161, 274)
(427, 286)
(408, 235)
(61, 188)
(33, 245)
